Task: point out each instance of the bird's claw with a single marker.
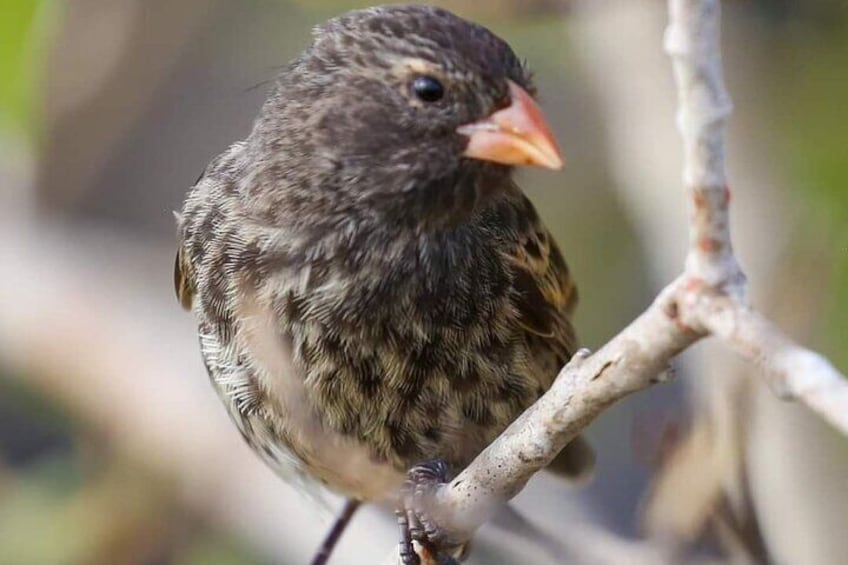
(414, 520)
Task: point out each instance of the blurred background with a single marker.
(113, 447)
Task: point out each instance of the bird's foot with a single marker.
(415, 521)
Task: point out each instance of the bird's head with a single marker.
(411, 110)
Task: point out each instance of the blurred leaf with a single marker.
(813, 113)
(21, 54)
(214, 552)
(27, 515)
(117, 512)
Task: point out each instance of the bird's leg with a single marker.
(332, 538)
(415, 522)
(406, 550)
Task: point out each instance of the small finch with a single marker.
(372, 289)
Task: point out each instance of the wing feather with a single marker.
(546, 293)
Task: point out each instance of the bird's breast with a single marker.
(414, 360)
(362, 366)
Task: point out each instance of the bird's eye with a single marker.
(428, 89)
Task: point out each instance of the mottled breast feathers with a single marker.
(546, 294)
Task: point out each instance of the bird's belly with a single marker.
(289, 432)
(316, 454)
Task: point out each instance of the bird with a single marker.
(371, 287)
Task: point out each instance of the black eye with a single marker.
(428, 89)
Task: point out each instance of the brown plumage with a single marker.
(371, 287)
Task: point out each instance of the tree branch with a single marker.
(707, 299)
(793, 372)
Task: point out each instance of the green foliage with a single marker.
(34, 507)
(813, 103)
(21, 54)
(215, 552)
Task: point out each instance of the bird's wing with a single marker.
(184, 283)
(545, 298)
(545, 292)
(183, 279)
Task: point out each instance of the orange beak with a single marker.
(516, 135)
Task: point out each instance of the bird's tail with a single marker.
(575, 462)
